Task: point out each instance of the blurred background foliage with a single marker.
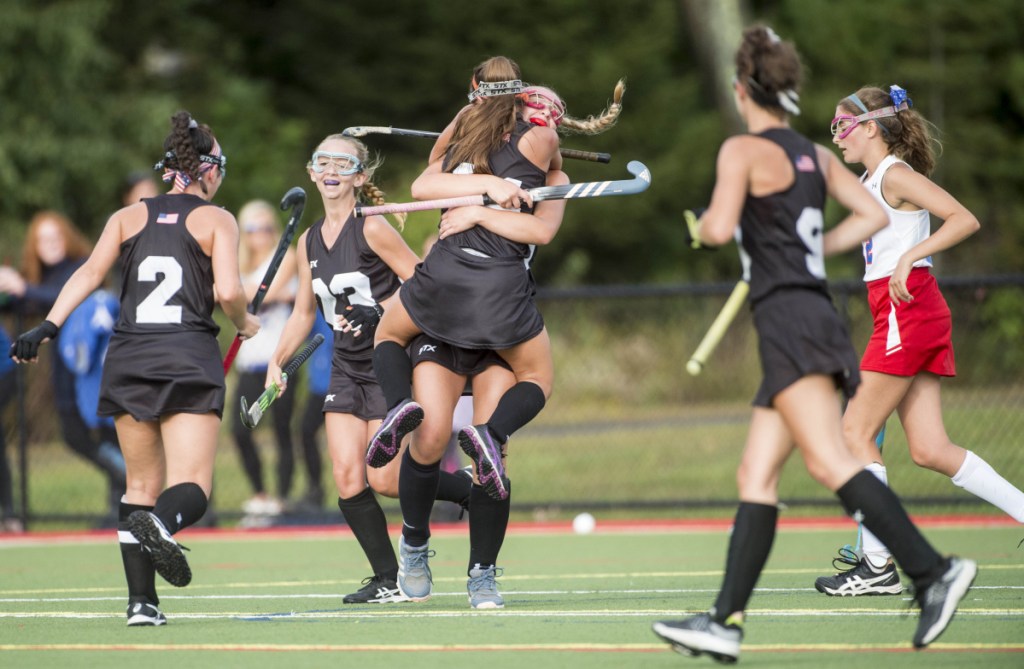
(87, 88)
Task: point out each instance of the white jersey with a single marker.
(906, 230)
(255, 353)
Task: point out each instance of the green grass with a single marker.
(572, 601)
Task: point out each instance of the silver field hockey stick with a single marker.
(251, 415)
(638, 184)
(364, 130)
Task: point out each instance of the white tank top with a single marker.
(906, 230)
(255, 353)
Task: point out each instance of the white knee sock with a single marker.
(977, 477)
(874, 550)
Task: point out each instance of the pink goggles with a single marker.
(539, 97)
(844, 124)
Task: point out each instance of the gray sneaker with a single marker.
(414, 578)
(702, 635)
(939, 600)
(483, 588)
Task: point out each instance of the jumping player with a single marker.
(349, 268)
(771, 189)
(167, 408)
(911, 348)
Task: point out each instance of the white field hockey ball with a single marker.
(584, 523)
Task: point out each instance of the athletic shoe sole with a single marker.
(166, 554)
(489, 468)
(967, 571)
(693, 643)
(388, 440)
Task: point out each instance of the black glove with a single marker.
(363, 317)
(26, 346)
(692, 217)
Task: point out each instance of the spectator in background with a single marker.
(260, 232)
(318, 376)
(9, 522)
(54, 248)
(137, 186)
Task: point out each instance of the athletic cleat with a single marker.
(415, 581)
(482, 587)
(863, 579)
(376, 590)
(702, 635)
(141, 613)
(400, 421)
(477, 443)
(939, 600)
(166, 554)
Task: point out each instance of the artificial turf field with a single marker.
(273, 599)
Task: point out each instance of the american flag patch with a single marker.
(804, 164)
(169, 219)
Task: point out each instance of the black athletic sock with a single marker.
(518, 406)
(454, 487)
(180, 506)
(367, 522)
(753, 533)
(488, 522)
(138, 568)
(870, 501)
(393, 368)
(417, 489)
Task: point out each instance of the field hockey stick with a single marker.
(363, 130)
(718, 327)
(251, 415)
(639, 184)
(296, 199)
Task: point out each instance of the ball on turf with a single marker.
(584, 523)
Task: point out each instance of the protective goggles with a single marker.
(542, 98)
(342, 163)
(486, 89)
(844, 124)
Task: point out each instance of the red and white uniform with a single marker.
(908, 338)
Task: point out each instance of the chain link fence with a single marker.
(626, 428)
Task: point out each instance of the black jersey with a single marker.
(780, 235)
(347, 273)
(508, 163)
(167, 283)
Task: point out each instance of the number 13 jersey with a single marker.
(349, 272)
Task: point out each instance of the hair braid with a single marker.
(187, 143)
(594, 125)
(371, 193)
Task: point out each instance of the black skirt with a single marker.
(152, 375)
(472, 302)
(799, 334)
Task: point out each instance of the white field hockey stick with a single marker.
(251, 415)
(364, 130)
(718, 327)
(639, 184)
(296, 199)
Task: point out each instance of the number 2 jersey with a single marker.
(349, 272)
(167, 281)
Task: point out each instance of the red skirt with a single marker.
(910, 337)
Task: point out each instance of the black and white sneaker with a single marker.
(939, 600)
(376, 590)
(168, 558)
(141, 613)
(702, 635)
(863, 579)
